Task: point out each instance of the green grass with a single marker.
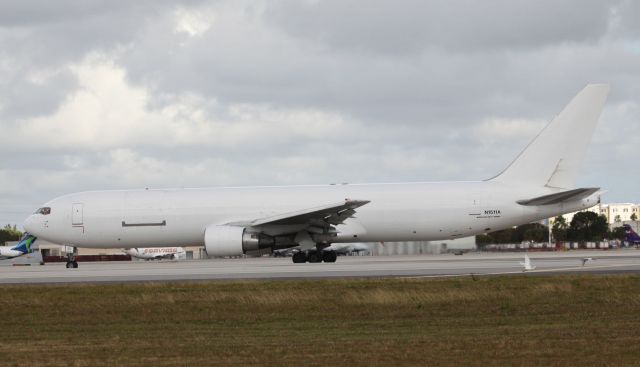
(568, 320)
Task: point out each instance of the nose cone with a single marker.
(33, 225)
(29, 224)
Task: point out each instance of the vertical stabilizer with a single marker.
(25, 244)
(553, 158)
(630, 235)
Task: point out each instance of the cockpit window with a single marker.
(44, 211)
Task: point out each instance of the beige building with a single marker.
(615, 212)
(620, 212)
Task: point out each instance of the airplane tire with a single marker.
(69, 264)
(329, 256)
(299, 257)
(75, 264)
(314, 257)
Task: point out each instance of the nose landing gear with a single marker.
(71, 260)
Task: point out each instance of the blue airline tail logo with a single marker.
(630, 235)
(25, 244)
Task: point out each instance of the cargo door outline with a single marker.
(77, 215)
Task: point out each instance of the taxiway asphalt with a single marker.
(346, 266)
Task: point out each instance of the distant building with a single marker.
(422, 247)
(620, 212)
(53, 249)
(192, 252)
(614, 212)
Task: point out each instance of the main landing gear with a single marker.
(315, 256)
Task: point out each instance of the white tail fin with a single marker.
(553, 158)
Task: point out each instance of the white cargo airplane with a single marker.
(157, 253)
(539, 183)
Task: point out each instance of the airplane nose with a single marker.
(29, 224)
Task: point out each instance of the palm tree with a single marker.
(559, 229)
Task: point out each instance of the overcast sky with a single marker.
(122, 94)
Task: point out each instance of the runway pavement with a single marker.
(346, 266)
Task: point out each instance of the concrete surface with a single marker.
(346, 266)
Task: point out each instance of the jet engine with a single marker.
(228, 240)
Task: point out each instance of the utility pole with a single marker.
(549, 228)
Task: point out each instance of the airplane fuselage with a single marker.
(7, 252)
(396, 212)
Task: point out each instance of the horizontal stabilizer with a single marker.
(559, 197)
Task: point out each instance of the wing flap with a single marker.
(560, 197)
(333, 214)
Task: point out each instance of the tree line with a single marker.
(584, 227)
(535, 232)
(9, 233)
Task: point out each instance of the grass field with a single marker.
(564, 320)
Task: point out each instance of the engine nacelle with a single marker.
(233, 241)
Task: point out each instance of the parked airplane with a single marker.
(527, 264)
(25, 246)
(538, 184)
(158, 253)
(630, 236)
(348, 248)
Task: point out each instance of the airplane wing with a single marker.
(319, 220)
(559, 197)
(332, 214)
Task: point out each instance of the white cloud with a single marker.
(193, 22)
(107, 112)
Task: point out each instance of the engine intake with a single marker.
(233, 241)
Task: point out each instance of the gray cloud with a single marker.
(296, 68)
(414, 26)
(117, 94)
(45, 37)
(22, 97)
